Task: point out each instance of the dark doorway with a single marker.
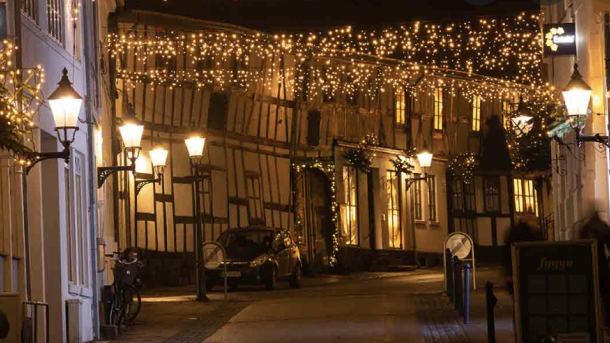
(320, 230)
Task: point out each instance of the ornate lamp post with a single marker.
(577, 96)
(195, 144)
(131, 134)
(522, 118)
(65, 105)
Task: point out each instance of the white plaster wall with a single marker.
(584, 187)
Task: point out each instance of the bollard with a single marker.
(466, 292)
(449, 274)
(458, 295)
(491, 302)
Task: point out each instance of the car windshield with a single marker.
(246, 244)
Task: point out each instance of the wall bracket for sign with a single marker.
(462, 246)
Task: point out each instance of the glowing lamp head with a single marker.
(131, 130)
(158, 156)
(65, 103)
(194, 144)
(523, 118)
(577, 95)
(425, 158)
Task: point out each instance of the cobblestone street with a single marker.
(366, 307)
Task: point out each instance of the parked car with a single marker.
(257, 255)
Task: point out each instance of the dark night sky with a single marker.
(271, 15)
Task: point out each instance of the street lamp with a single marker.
(158, 157)
(131, 134)
(195, 143)
(577, 96)
(425, 162)
(65, 105)
(522, 118)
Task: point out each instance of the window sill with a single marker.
(79, 291)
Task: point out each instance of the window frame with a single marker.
(487, 194)
(400, 106)
(476, 114)
(438, 115)
(56, 21)
(350, 174)
(77, 226)
(432, 195)
(30, 9)
(418, 199)
(394, 208)
(526, 197)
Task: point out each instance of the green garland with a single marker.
(361, 158)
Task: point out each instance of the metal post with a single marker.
(491, 301)
(466, 292)
(458, 296)
(201, 294)
(449, 275)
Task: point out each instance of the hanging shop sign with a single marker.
(559, 39)
(557, 292)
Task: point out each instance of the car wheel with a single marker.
(270, 281)
(295, 278)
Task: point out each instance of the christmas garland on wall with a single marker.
(462, 167)
(361, 158)
(20, 99)
(328, 168)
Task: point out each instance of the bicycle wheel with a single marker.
(133, 303)
(114, 317)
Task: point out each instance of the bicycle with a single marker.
(126, 301)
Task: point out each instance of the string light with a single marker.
(462, 166)
(328, 168)
(491, 57)
(20, 100)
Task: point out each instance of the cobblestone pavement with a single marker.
(205, 327)
(439, 321)
(357, 308)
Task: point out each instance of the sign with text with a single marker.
(559, 39)
(557, 291)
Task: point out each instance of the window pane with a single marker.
(438, 109)
(476, 113)
(394, 227)
(349, 216)
(400, 106)
(418, 198)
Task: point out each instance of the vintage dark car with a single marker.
(257, 255)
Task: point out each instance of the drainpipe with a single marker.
(92, 166)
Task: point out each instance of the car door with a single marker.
(279, 250)
(292, 250)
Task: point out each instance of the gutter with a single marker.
(92, 170)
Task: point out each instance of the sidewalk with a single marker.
(441, 322)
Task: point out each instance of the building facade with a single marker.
(322, 145)
(580, 174)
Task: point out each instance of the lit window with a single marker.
(476, 113)
(526, 197)
(417, 198)
(401, 112)
(432, 199)
(394, 227)
(438, 109)
(349, 210)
